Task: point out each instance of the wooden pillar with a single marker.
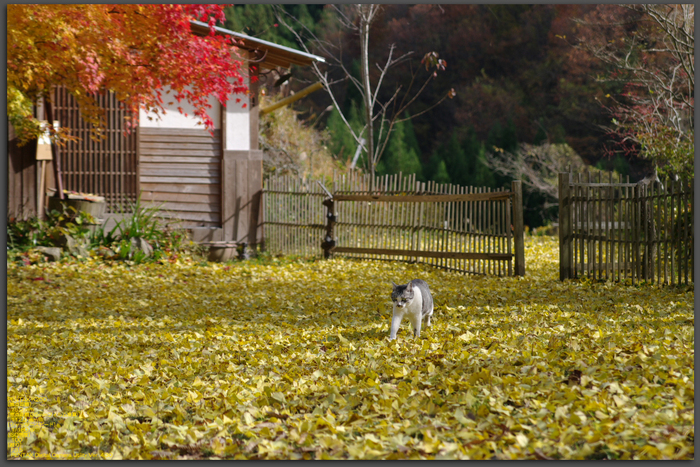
(328, 242)
(518, 227)
(254, 104)
(255, 160)
(255, 185)
(564, 227)
(241, 174)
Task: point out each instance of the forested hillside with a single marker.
(521, 73)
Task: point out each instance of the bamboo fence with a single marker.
(293, 217)
(616, 230)
(397, 218)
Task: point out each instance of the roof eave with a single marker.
(273, 55)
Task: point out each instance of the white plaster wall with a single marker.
(172, 118)
(238, 122)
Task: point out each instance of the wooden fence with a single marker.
(617, 230)
(395, 217)
(294, 218)
(107, 167)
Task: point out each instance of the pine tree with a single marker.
(436, 169)
(499, 138)
(441, 175)
(483, 176)
(342, 144)
(400, 155)
(455, 161)
(509, 137)
(259, 20)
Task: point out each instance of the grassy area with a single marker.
(290, 359)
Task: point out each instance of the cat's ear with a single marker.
(409, 287)
(392, 283)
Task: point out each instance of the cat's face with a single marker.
(402, 295)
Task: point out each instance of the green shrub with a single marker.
(23, 235)
(143, 222)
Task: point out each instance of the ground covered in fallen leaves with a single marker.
(290, 359)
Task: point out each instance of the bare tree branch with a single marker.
(657, 65)
(537, 166)
(359, 19)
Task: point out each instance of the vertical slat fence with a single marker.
(396, 218)
(107, 167)
(294, 223)
(622, 231)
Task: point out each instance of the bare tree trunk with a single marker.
(358, 18)
(57, 172)
(365, 24)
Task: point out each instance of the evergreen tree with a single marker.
(342, 144)
(500, 138)
(258, 20)
(410, 136)
(483, 176)
(540, 136)
(436, 169)
(455, 161)
(509, 137)
(400, 155)
(441, 175)
(475, 173)
(493, 140)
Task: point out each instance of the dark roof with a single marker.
(272, 55)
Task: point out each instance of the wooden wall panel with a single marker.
(180, 171)
(241, 195)
(21, 180)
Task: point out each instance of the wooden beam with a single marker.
(254, 105)
(291, 99)
(493, 196)
(426, 254)
(565, 234)
(518, 227)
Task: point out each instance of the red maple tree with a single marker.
(136, 51)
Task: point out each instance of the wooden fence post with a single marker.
(328, 242)
(519, 242)
(564, 227)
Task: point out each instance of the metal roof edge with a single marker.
(261, 42)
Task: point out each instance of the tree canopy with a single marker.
(136, 51)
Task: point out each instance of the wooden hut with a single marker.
(211, 184)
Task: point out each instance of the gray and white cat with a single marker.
(414, 301)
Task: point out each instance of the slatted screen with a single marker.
(181, 172)
(108, 167)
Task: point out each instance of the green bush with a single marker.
(167, 240)
(23, 235)
(144, 223)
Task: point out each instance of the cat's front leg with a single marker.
(395, 323)
(415, 323)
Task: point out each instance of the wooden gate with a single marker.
(293, 216)
(617, 230)
(397, 218)
(108, 167)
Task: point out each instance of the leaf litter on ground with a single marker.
(291, 360)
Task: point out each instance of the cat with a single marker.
(414, 301)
